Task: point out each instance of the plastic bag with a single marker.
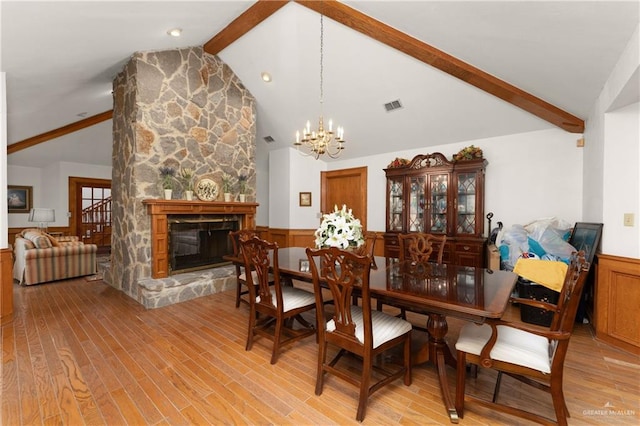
(512, 244)
(550, 233)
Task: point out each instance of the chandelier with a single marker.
(321, 141)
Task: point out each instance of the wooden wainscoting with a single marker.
(6, 286)
(304, 238)
(292, 237)
(617, 297)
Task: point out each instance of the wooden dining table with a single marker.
(436, 290)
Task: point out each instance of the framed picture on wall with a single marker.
(19, 198)
(305, 199)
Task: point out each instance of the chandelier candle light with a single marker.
(321, 141)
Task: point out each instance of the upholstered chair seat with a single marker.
(512, 345)
(292, 298)
(385, 327)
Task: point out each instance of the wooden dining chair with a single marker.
(358, 330)
(241, 277)
(530, 354)
(418, 247)
(273, 306)
(370, 239)
(368, 248)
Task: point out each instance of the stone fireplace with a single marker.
(216, 217)
(179, 108)
(200, 242)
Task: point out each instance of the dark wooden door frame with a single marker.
(74, 183)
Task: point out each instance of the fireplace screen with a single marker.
(199, 243)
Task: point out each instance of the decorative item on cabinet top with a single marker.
(420, 161)
(469, 153)
(437, 159)
(398, 162)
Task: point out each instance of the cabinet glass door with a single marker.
(438, 188)
(416, 204)
(466, 203)
(395, 204)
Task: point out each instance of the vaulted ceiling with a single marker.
(461, 70)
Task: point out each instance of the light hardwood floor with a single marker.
(80, 352)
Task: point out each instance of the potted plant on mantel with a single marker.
(227, 184)
(166, 175)
(186, 175)
(242, 187)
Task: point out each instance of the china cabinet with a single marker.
(433, 195)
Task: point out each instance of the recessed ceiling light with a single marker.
(175, 32)
(266, 77)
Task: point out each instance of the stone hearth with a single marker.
(159, 292)
(155, 293)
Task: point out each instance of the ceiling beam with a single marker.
(251, 17)
(257, 13)
(415, 48)
(375, 29)
(61, 131)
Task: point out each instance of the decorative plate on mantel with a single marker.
(206, 190)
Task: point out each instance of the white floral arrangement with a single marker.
(339, 229)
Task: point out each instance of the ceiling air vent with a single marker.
(393, 105)
(268, 139)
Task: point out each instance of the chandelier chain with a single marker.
(323, 141)
(321, 60)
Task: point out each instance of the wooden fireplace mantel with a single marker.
(160, 209)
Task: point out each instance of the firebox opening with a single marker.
(199, 242)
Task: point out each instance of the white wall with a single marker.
(622, 181)
(289, 174)
(305, 177)
(262, 184)
(610, 151)
(279, 188)
(4, 221)
(529, 176)
(50, 187)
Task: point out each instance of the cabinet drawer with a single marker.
(468, 248)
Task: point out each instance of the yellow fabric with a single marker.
(548, 273)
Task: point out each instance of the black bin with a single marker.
(530, 290)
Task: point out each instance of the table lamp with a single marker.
(43, 217)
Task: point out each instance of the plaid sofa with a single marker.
(39, 257)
